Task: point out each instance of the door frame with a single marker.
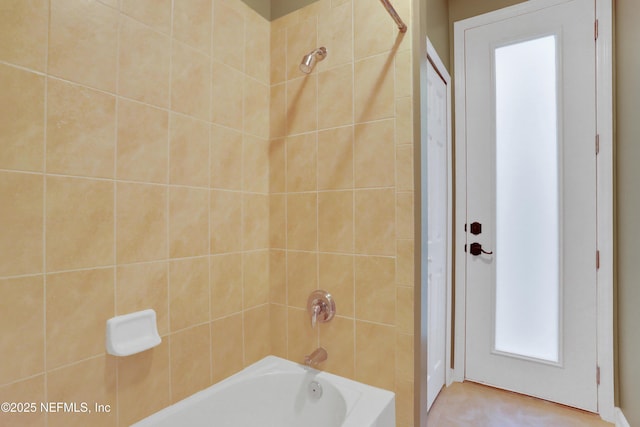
(604, 188)
(438, 65)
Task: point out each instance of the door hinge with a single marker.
(597, 260)
(598, 375)
(595, 30)
(597, 144)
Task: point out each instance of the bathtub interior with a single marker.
(276, 393)
(280, 399)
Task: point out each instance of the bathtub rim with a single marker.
(380, 402)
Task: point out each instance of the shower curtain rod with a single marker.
(401, 25)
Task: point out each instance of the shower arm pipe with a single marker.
(401, 25)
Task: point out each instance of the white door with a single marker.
(438, 168)
(529, 78)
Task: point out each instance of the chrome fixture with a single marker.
(401, 25)
(310, 59)
(318, 356)
(321, 306)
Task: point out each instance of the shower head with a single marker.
(310, 59)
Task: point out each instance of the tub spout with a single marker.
(318, 356)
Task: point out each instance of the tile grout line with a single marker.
(317, 247)
(113, 265)
(115, 205)
(193, 187)
(130, 99)
(395, 210)
(25, 68)
(244, 188)
(133, 182)
(166, 260)
(209, 198)
(353, 183)
(44, 213)
(167, 193)
(286, 195)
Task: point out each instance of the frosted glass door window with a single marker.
(527, 248)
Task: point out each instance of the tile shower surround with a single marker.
(138, 168)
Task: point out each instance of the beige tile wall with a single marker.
(341, 192)
(133, 174)
(170, 155)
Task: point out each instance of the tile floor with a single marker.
(471, 404)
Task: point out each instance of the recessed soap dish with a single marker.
(132, 333)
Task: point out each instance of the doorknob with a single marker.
(476, 249)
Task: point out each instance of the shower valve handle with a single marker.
(321, 307)
(317, 308)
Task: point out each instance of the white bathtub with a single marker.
(275, 392)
